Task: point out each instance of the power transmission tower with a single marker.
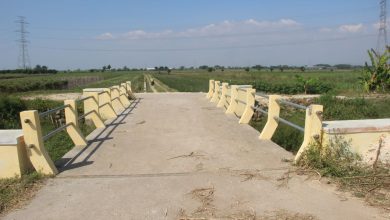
(23, 59)
(382, 36)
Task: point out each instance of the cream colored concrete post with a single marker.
(106, 110)
(222, 100)
(250, 104)
(211, 89)
(91, 105)
(129, 90)
(73, 130)
(271, 125)
(233, 103)
(36, 151)
(313, 128)
(115, 100)
(91, 109)
(217, 88)
(123, 95)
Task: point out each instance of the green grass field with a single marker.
(339, 82)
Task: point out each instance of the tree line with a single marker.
(38, 69)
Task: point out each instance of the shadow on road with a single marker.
(94, 144)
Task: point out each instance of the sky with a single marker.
(72, 34)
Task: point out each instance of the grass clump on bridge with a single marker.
(346, 169)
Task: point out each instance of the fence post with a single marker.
(123, 95)
(106, 110)
(233, 103)
(313, 128)
(71, 118)
(222, 100)
(91, 110)
(211, 89)
(36, 151)
(250, 104)
(130, 93)
(115, 100)
(271, 125)
(216, 91)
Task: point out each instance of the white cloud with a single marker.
(105, 36)
(351, 28)
(225, 27)
(141, 34)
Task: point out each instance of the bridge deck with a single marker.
(173, 155)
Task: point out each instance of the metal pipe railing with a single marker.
(85, 98)
(259, 109)
(85, 114)
(55, 131)
(284, 121)
(43, 114)
(281, 101)
(262, 95)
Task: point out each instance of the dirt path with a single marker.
(177, 156)
(158, 85)
(57, 96)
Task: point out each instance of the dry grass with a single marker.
(14, 192)
(207, 210)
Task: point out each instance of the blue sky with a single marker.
(71, 34)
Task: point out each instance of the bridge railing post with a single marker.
(217, 88)
(273, 113)
(123, 95)
(313, 128)
(250, 104)
(33, 140)
(115, 100)
(222, 100)
(211, 89)
(129, 90)
(233, 103)
(71, 118)
(106, 109)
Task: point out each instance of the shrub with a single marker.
(377, 76)
(9, 112)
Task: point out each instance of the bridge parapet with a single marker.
(25, 150)
(240, 100)
(370, 138)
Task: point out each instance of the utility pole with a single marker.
(382, 36)
(23, 59)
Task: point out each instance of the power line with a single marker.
(23, 58)
(210, 48)
(382, 36)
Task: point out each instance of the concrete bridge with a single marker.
(178, 156)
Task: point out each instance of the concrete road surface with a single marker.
(177, 156)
